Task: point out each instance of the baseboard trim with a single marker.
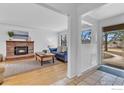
(92, 68)
(71, 76)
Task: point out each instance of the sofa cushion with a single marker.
(60, 54)
(53, 50)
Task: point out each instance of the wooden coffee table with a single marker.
(42, 56)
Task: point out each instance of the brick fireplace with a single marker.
(19, 49)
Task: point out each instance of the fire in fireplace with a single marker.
(21, 50)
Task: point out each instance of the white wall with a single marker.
(87, 53)
(41, 37)
(112, 21)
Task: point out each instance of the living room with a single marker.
(25, 33)
(80, 34)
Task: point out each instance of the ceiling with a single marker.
(107, 11)
(32, 16)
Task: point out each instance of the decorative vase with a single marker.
(10, 38)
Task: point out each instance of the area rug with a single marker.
(21, 67)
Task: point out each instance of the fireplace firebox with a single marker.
(21, 50)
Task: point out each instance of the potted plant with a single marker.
(10, 34)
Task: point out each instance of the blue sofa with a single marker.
(59, 55)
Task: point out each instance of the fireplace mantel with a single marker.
(20, 41)
(10, 49)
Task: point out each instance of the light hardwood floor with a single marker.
(44, 76)
(56, 75)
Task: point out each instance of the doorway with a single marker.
(113, 45)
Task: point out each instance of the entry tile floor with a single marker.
(93, 78)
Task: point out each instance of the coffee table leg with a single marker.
(53, 59)
(36, 58)
(41, 61)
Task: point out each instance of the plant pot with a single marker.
(10, 38)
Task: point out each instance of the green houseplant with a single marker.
(10, 34)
